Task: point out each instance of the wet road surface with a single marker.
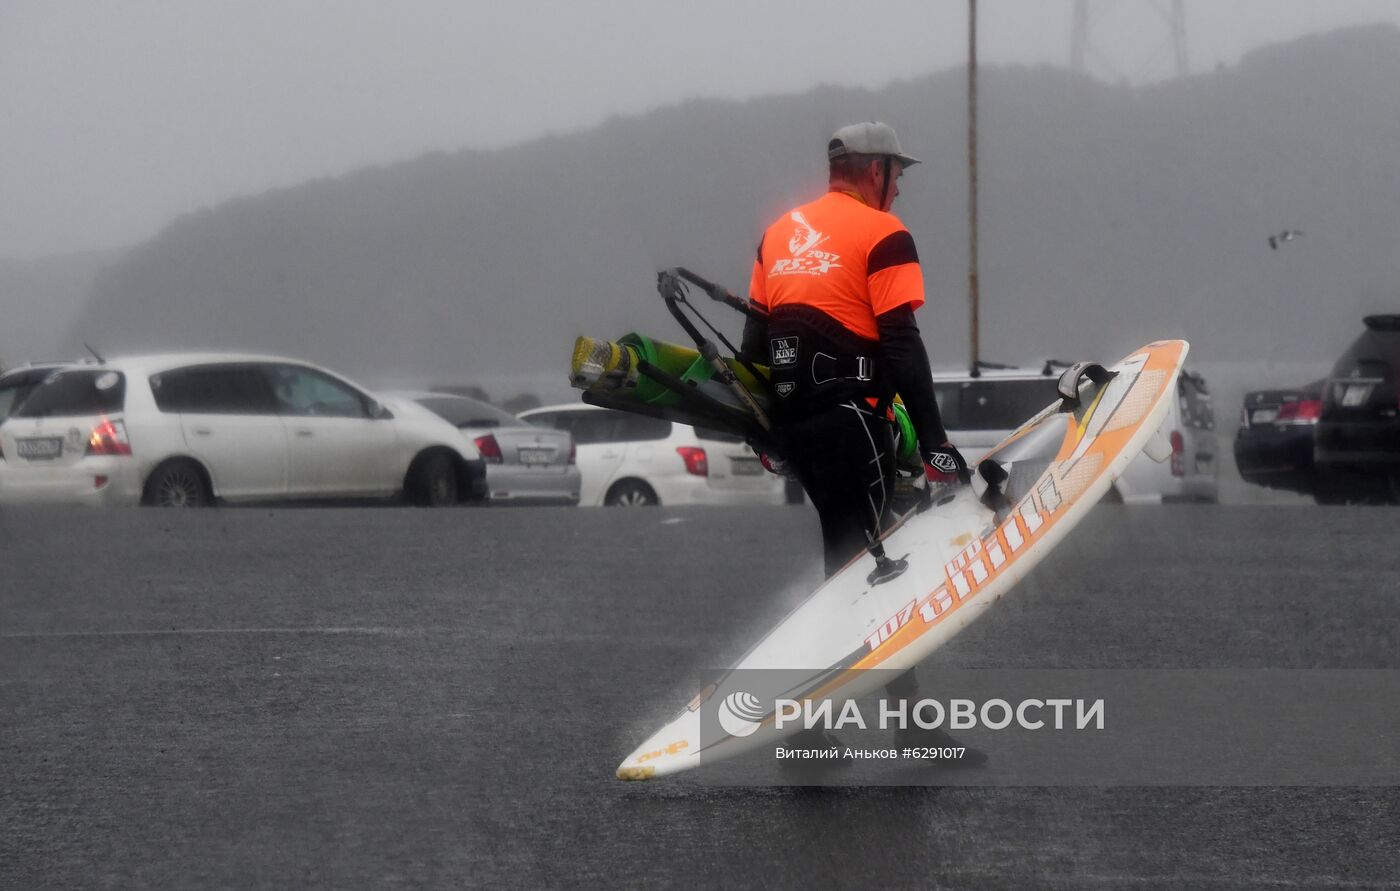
(404, 698)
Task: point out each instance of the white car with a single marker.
(633, 460)
(197, 428)
(1191, 473)
(979, 412)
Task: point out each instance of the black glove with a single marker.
(945, 466)
(773, 463)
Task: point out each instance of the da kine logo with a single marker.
(784, 350)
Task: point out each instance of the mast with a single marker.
(972, 283)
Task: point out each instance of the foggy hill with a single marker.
(39, 300)
(1110, 215)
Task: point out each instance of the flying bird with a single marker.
(1285, 235)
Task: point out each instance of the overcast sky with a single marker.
(119, 115)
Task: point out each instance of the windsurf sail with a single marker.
(696, 386)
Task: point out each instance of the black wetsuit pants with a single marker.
(844, 457)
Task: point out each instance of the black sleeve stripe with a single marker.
(893, 250)
(758, 255)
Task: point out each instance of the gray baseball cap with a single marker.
(867, 138)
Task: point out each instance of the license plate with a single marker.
(1263, 415)
(536, 456)
(745, 466)
(39, 449)
(1355, 396)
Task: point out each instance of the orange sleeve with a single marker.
(895, 277)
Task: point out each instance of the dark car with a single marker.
(1274, 445)
(1358, 434)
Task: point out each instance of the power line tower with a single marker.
(1105, 42)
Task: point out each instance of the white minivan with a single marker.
(979, 412)
(632, 460)
(192, 429)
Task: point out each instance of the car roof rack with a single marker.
(34, 363)
(977, 367)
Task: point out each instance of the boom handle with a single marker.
(717, 292)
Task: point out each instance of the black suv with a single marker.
(1358, 433)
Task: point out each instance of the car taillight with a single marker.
(109, 438)
(1178, 454)
(488, 447)
(1302, 411)
(573, 452)
(695, 461)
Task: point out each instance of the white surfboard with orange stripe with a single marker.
(963, 555)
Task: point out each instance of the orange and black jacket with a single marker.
(837, 281)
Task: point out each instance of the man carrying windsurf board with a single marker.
(835, 284)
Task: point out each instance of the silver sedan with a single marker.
(523, 462)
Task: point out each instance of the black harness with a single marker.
(816, 363)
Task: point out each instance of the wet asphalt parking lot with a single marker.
(370, 698)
